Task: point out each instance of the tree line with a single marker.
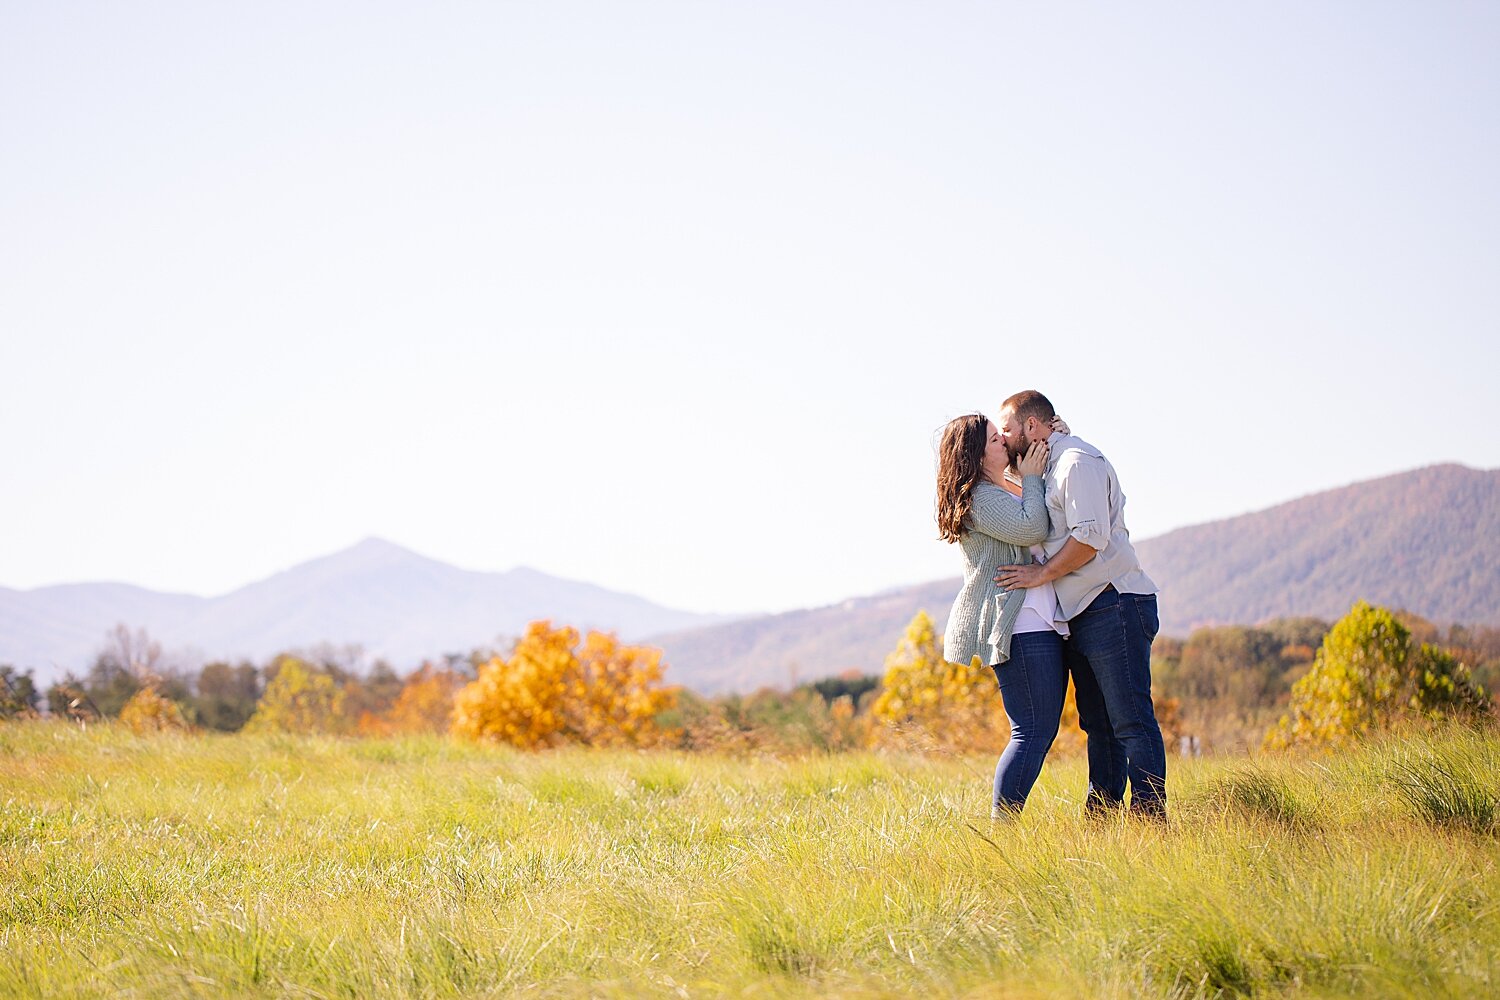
(1291, 683)
(1288, 682)
(1235, 682)
(554, 685)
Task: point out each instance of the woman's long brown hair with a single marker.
(960, 457)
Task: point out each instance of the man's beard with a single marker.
(1017, 455)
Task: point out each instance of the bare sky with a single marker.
(673, 297)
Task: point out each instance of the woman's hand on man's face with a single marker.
(1034, 462)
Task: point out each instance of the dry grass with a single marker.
(173, 866)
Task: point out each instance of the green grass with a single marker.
(275, 866)
(1453, 784)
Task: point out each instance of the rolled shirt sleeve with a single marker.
(1085, 501)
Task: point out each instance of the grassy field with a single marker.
(232, 865)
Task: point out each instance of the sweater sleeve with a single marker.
(1020, 522)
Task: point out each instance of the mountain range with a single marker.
(1416, 540)
(392, 602)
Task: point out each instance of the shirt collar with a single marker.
(1054, 442)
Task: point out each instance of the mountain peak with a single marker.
(373, 550)
(367, 556)
(374, 544)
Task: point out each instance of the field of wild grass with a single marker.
(274, 866)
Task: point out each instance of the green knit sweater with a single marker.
(998, 532)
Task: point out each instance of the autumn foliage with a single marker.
(561, 686)
(149, 711)
(924, 699)
(557, 688)
(1367, 676)
(425, 704)
(298, 700)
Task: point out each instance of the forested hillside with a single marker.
(1420, 540)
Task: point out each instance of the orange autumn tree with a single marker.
(616, 693)
(551, 690)
(425, 704)
(150, 711)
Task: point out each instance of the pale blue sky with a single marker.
(673, 297)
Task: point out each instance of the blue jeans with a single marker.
(1109, 657)
(1033, 683)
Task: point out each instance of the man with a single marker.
(1110, 605)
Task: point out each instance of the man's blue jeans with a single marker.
(1109, 656)
(1033, 684)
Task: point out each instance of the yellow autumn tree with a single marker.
(298, 700)
(149, 711)
(551, 690)
(925, 699)
(1366, 676)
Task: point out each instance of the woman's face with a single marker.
(996, 458)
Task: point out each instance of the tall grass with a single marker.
(270, 866)
(1252, 793)
(1454, 783)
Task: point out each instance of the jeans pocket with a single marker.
(1106, 603)
(1145, 607)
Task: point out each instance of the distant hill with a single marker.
(797, 646)
(394, 603)
(1419, 540)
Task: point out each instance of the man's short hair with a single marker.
(1029, 403)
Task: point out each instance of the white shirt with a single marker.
(1084, 501)
(1040, 612)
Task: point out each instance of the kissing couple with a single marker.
(1052, 589)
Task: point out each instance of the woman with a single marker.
(1015, 632)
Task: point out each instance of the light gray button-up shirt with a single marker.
(1084, 501)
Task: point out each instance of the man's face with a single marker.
(1014, 435)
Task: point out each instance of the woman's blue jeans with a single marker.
(1033, 683)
